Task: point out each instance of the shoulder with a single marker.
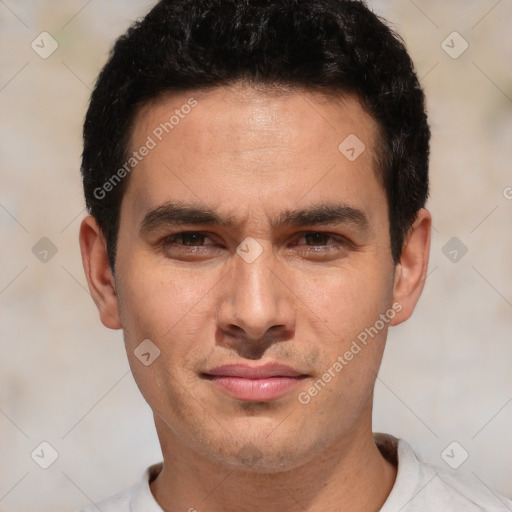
(118, 503)
(422, 487)
(135, 499)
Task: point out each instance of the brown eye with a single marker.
(320, 246)
(187, 239)
(190, 246)
(317, 239)
(190, 239)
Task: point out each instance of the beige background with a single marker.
(447, 373)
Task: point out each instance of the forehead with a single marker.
(254, 150)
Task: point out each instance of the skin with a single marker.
(252, 154)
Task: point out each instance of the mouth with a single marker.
(254, 383)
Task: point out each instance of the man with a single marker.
(256, 173)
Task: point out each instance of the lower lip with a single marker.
(255, 390)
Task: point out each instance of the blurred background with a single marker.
(446, 381)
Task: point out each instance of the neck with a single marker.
(351, 475)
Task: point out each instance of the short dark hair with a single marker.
(335, 47)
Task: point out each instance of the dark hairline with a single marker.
(329, 93)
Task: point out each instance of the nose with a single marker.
(256, 305)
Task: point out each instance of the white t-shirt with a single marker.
(419, 487)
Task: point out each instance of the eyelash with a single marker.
(338, 240)
(171, 239)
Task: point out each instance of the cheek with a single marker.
(171, 310)
(158, 302)
(345, 300)
(344, 306)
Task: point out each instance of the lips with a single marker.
(254, 383)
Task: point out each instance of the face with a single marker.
(254, 255)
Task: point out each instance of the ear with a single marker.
(411, 270)
(98, 272)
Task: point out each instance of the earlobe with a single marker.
(98, 272)
(411, 271)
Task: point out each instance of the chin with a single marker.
(256, 454)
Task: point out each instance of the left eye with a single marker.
(317, 239)
(187, 239)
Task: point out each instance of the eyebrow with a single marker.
(179, 213)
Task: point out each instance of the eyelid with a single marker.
(169, 239)
(336, 239)
(334, 236)
(324, 233)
